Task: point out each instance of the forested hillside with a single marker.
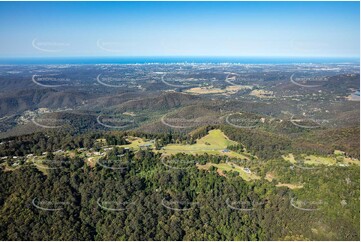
(137, 197)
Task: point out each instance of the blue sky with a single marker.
(309, 29)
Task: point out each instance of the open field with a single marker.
(92, 161)
(212, 90)
(262, 93)
(204, 90)
(270, 176)
(136, 143)
(214, 143)
(39, 164)
(289, 185)
(230, 167)
(338, 159)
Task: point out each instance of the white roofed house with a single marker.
(247, 170)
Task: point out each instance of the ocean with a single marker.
(170, 60)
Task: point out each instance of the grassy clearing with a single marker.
(135, 143)
(337, 159)
(290, 158)
(38, 163)
(289, 185)
(339, 152)
(101, 141)
(318, 160)
(262, 93)
(213, 90)
(216, 138)
(341, 155)
(92, 161)
(214, 143)
(222, 167)
(270, 177)
(348, 160)
(6, 167)
(204, 90)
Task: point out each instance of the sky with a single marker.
(267, 29)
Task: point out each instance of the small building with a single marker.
(247, 170)
(145, 146)
(225, 150)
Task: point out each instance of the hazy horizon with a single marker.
(177, 59)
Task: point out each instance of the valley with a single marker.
(274, 141)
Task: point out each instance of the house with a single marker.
(145, 146)
(247, 170)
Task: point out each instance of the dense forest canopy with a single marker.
(137, 197)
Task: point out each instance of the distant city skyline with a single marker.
(121, 29)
